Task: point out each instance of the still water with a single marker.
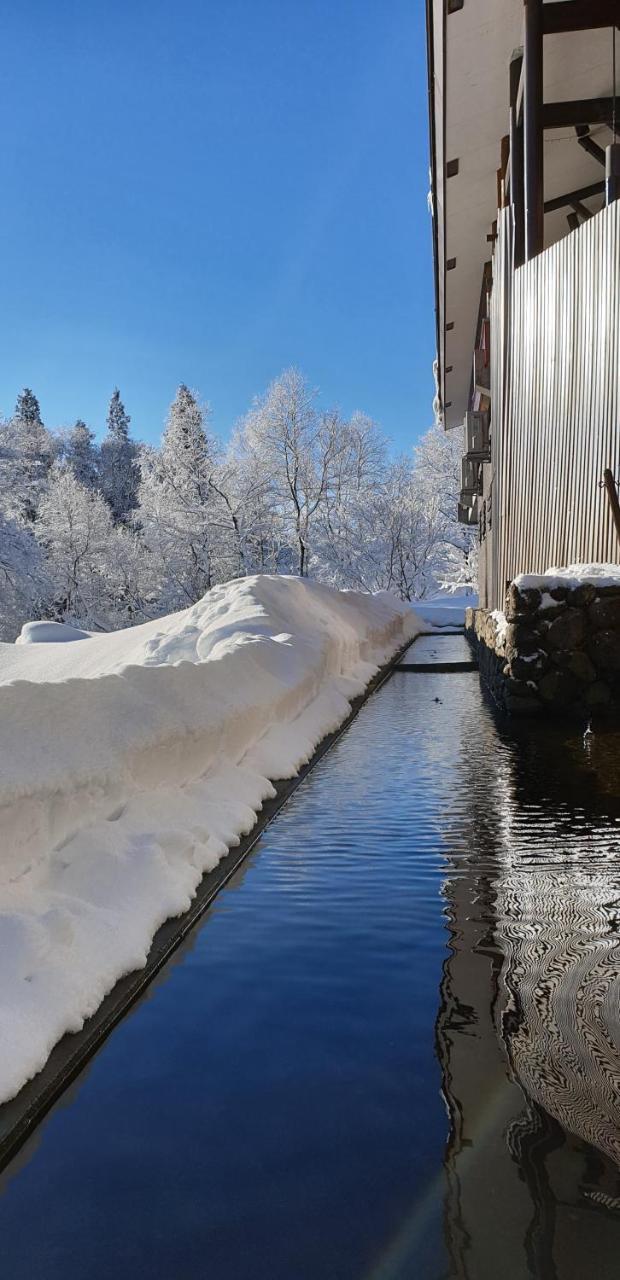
(392, 1047)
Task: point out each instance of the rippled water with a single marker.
(390, 1050)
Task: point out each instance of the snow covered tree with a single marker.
(27, 408)
(341, 554)
(76, 533)
(176, 508)
(120, 471)
(32, 453)
(81, 454)
(437, 464)
(23, 580)
(299, 447)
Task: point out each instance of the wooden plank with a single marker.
(571, 198)
(580, 15)
(427, 667)
(565, 115)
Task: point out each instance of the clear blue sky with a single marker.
(207, 191)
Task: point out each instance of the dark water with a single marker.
(390, 1051)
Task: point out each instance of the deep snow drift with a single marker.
(131, 762)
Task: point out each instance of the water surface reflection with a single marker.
(528, 1030)
(390, 1052)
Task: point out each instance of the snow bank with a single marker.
(447, 610)
(131, 762)
(572, 575)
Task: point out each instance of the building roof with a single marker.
(469, 53)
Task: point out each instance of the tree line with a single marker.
(111, 534)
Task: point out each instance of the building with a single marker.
(523, 117)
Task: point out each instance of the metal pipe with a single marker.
(533, 129)
(612, 494)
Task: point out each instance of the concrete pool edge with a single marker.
(20, 1116)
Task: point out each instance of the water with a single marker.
(390, 1050)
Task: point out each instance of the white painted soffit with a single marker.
(472, 48)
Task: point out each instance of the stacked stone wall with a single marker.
(555, 648)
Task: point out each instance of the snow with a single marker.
(50, 633)
(573, 575)
(132, 761)
(501, 624)
(445, 610)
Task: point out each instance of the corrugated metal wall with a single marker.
(555, 401)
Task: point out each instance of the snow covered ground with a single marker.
(445, 610)
(130, 763)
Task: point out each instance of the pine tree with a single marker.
(177, 504)
(27, 408)
(120, 472)
(81, 454)
(34, 453)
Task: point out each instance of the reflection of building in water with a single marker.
(528, 1028)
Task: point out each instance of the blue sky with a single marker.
(207, 191)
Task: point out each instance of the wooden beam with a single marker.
(565, 115)
(516, 160)
(580, 15)
(533, 129)
(588, 144)
(581, 211)
(575, 197)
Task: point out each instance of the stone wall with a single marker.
(555, 648)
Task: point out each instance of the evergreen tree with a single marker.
(33, 452)
(27, 409)
(81, 454)
(120, 472)
(178, 506)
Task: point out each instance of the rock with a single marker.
(522, 706)
(521, 638)
(576, 663)
(608, 592)
(567, 631)
(522, 667)
(558, 593)
(582, 595)
(558, 688)
(597, 695)
(553, 610)
(604, 650)
(604, 614)
(517, 688)
(519, 602)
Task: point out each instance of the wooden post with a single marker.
(533, 129)
(612, 172)
(612, 494)
(516, 161)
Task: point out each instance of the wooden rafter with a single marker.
(572, 198)
(580, 15)
(565, 115)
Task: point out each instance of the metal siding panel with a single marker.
(558, 383)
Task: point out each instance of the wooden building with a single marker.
(524, 161)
